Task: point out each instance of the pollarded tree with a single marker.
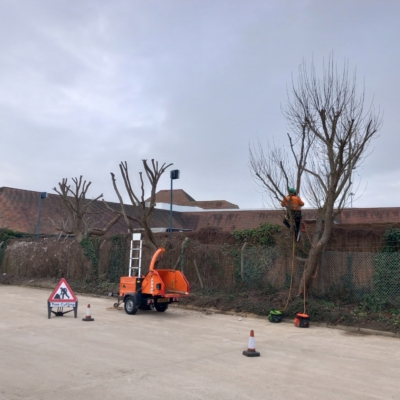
(330, 135)
(80, 220)
(142, 210)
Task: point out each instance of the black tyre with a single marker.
(131, 305)
(161, 307)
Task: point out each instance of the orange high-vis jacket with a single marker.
(294, 202)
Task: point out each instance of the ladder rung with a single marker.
(136, 246)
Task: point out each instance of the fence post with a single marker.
(198, 274)
(242, 261)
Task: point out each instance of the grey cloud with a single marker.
(193, 83)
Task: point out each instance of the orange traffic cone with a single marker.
(88, 314)
(251, 347)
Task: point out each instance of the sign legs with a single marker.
(60, 310)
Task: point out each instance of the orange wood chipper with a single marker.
(157, 289)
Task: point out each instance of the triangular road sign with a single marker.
(62, 293)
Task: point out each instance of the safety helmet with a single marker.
(292, 190)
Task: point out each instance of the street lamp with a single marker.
(174, 175)
(43, 195)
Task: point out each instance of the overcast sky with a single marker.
(87, 84)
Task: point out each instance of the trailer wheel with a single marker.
(160, 307)
(131, 305)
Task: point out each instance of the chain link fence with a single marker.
(347, 276)
(118, 258)
(355, 275)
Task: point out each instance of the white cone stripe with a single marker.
(252, 343)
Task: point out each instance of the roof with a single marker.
(216, 204)
(377, 215)
(229, 220)
(181, 198)
(19, 211)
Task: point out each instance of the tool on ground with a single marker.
(157, 289)
(251, 347)
(302, 320)
(275, 316)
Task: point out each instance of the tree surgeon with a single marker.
(293, 204)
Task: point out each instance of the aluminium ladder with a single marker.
(135, 255)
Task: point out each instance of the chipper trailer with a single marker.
(157, 289)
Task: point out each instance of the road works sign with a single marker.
(62, 296)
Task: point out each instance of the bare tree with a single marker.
(78, 209)
(331, 132)
(142, 210)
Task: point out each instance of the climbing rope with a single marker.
(291, 277)
(304, 290)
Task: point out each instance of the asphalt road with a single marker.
(181, 354)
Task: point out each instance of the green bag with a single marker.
(275, 316)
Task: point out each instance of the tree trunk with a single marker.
(150, 235)
(181, 256)
(310, 269)
(320, 237)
